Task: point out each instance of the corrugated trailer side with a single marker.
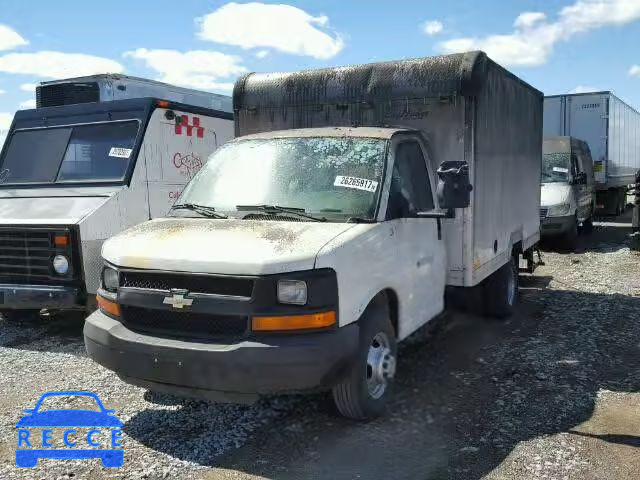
(623, 143)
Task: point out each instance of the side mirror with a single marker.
(454, 188)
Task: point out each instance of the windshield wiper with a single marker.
(360, 220)
(201, 209)
(278, 209)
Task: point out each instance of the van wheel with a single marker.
(15, 316)
(570, 238)
(500, 290)
(364, 393)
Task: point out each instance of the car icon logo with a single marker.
(178, 299)
(98, 422)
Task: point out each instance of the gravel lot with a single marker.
(553, 393)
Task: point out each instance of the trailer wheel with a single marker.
(500, 290)
(15, 316)
(364, 393)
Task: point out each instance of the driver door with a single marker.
(420, 253)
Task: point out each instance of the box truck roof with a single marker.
(363, 132)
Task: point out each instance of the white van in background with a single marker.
(73, 175)
(567, 197)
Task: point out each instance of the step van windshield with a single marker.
(86, 153)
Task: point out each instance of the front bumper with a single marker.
(552, 226)
(17, 297)
(237, 372)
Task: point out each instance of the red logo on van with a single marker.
(184, 123)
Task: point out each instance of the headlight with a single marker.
(292, 291)
(559, 210)
(110, 279)
(60, 264)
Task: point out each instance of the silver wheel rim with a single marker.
(381, 365)
(511, 286)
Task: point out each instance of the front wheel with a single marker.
(570, 238)
(500, 290)
(364, 393)
(587, 226)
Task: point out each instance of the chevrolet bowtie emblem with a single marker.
(178, 300)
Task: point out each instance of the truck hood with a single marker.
(554, 193)
(224, 246)
(55, 210)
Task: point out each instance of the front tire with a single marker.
(500, 290)
(570, 238)
(364, 393)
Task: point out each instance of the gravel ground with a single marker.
(553, 393)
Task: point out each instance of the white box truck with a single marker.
(73, 175)
(328, 231)
(611, 129)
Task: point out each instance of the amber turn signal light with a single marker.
(61, 240)
(293, 322)
(107, 306)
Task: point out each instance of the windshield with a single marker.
(333, 176)
(83, 153)
(555, 167)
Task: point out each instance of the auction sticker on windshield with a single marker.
(355, 182)
(560, 169)
(120, 152)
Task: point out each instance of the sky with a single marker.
(559, 46)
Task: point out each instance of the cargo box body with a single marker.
(467, 108)
(610, 127)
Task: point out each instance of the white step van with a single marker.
(74, 174)
(568, 194)
(327, 232)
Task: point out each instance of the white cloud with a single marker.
(31, 103)
(585, 89)
(5, 123)
(2, 92)
(261, 53)
(634, 71)
(282, 27)
(432, 27)
(28, 87)
(534, 37)
(529, 19)
(9, 38)
(202, 69)
(57, 64)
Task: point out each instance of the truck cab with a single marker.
(567, 197)
(71, 176)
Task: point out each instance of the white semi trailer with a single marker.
(611, 129)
